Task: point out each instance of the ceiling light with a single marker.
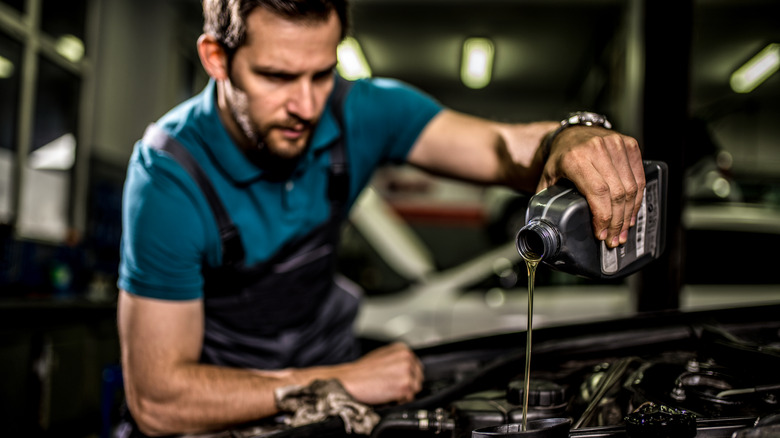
(352, 63)
(6, 68)
(757, 70)
(477, 63)
(71, 47)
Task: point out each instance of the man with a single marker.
(209, 332)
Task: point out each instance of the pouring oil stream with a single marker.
(531, 264)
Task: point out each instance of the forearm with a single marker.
(195, 397)
(167, 389)
(199, 397)
(482, 151)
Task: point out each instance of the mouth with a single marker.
(293, 132)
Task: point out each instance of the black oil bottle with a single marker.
(559, 231)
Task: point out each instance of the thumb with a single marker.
(545, 181)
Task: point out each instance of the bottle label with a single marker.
(641, 237)
(653, 215)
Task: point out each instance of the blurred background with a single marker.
(694, 80)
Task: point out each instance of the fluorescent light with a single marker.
(6, 68)
(757, 70)
(477, 64)
(352, 63)
(71, 47)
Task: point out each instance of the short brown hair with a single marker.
(225, 20)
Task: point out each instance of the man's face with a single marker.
(280, 80)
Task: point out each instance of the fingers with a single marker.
(606, 197)
(607, 168)
(392, 373)
(638, 170)
(618, 202)
(410, 369)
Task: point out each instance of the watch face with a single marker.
(589, 119)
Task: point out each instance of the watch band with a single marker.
(583, 118)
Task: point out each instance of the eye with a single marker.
(324, 75)
(279, 77)
(272, 75)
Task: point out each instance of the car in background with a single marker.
(409, 298)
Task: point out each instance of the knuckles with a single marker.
(602, 219)
(618, 195)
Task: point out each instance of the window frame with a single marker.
(26, 28)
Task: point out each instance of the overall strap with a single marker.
(338, 182)
(232, 249)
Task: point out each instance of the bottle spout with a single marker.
(538, 240)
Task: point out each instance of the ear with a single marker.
(213, 57)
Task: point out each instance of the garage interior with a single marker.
(87, 76)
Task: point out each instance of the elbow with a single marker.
(153, 417)
(150, 418)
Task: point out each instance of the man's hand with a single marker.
(607, 168)
(388, 374)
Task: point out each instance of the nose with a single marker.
(302, 100)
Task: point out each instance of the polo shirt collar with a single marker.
(228, 155)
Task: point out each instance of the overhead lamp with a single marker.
(758, 69)
(70, 47)
(477, 63)
(6, 68)
(352, 63)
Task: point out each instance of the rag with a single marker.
(322, 399)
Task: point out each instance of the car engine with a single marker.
(675, 374)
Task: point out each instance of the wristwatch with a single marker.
(584, 118)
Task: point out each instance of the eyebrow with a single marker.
(270, 71)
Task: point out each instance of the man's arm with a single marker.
(605, 165)
(169, 392)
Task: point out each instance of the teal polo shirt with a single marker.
(168, 229)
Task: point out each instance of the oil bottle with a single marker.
(559, 231)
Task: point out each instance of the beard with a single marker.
(276, 161)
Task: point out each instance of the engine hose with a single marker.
(421, 420)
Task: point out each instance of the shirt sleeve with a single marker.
(163, 231)
(385, 118)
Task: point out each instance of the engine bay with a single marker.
(702, 374)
